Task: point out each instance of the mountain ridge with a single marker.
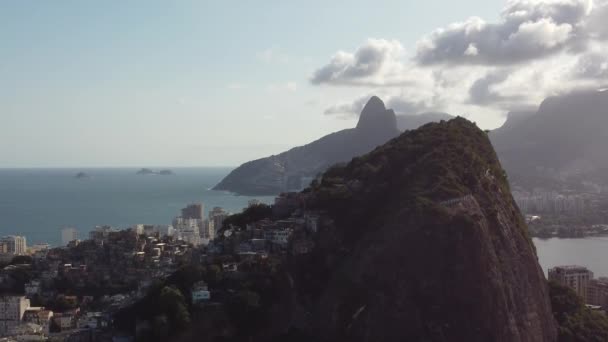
(272, 175)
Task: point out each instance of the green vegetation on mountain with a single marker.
(576, 322)
(426, 244)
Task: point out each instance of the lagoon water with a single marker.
(591, 252)
(37, 203)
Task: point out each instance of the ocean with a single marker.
(38, 203)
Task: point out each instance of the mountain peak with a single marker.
(376, 118)
(374, 105)
(422, 211)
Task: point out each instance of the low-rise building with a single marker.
(597, 292)
(66, 320)
(92, 320)
(32, 288)
(200, 292)
(39, 316)
(12, 309)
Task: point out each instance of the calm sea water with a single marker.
(37, 203)
(591, 252)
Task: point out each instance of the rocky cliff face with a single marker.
(274, 174)
(422, 241)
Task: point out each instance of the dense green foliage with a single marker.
(576, 322)
(414, 172)
(239, 305)
(250, 214)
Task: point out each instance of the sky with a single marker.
(218, 83)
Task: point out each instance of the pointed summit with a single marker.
(373, 105)
(376, 118)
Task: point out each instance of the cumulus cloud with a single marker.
(348, 108)
(536, 49)
(592, 66)
(595, 26)
(376, 62)
(483, 91)
(526, 30)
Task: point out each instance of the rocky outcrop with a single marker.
(292, 170)
(422, 241)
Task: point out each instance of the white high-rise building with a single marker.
(216, 220)
(68, 234)
(188, 229)
(11, 312)
(15, 245)
(575, 277)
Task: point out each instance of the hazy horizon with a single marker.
(191, 83)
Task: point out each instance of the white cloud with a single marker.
(527, 30)
(376, 62)
(536, 49)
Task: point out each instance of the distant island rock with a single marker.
(146, 171)
(82, 175)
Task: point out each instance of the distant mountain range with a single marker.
(559, 145)
(293, 169)
(412, 121)
(564, 142)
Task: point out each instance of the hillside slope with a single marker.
(422, 241)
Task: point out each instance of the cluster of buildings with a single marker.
(17, 317)
(23, 322)
(551, 202)
(11, 246)
(594, 291)
(291, 230)
(191, 227)
(75, 289)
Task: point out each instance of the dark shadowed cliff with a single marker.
(288, 170)
(422, 242)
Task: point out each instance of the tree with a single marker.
(21, 260)
(576, 322)
(173, 305)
